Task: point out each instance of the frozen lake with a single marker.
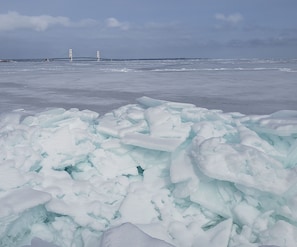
(247, 86)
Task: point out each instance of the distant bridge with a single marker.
(73, 59)
(54, 59)
(70, 55)
(69, 58)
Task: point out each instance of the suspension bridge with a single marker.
(69, 58)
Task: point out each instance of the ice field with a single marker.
(148, 153)
(246, 86)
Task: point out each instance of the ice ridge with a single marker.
(173, 174)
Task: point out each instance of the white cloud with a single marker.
(230, 19)
(14, 20)
(114, 23)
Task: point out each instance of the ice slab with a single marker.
(10, 177)
(20, 200)
(217, 236)
(37, 242)
(151, 142)
(129, 235)
(243, 165)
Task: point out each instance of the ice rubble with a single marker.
(169, 173)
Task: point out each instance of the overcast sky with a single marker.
(149, 28)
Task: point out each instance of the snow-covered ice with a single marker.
(153, 173)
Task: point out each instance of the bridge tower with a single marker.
(98, 56)
(70, 55)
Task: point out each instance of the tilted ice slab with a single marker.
(243, 165)
(162, 173)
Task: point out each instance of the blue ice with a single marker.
(160, 172)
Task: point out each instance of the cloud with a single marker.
(232, 19)
(14, 20)
(114, 23)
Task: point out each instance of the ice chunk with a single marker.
(208, 195)
(20, 200)
(151, 142)
(10, 177)
(180, 233)
(37, 242)
(217, 236)
(141, 126)
(245, 214)
(162, 123)
(182, 172)
(252, 139)
(291, 160)
(281, 234)
(110, 126)
(243, 165)
(16, 229)
(9, 120)
(129, 235)
(138, 201)
(110, 165)
(150, 102)
(166, 131)
(282, 123)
